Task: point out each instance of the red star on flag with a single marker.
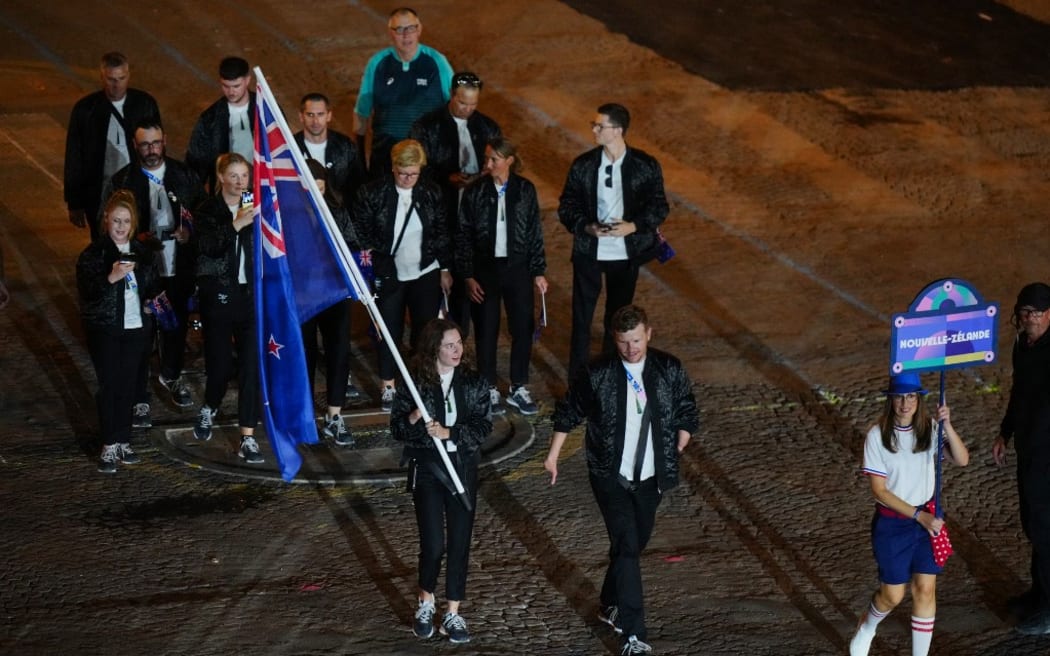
(273, 348)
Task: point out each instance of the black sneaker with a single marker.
(387, 400)
(423, 626)
(1038, 623)
(249, 450)
(202, 430)
(126, 455)
(140, 416)
(353, 392)
(335, 428)
(107, 461)
(495, 408)
(180, 395)
(522, 400)
(611, 616)
(455, 627)
(633, 645)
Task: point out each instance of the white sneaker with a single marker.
(860, 643)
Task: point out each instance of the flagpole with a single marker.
(354, 277)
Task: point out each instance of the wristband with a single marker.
(916, 515)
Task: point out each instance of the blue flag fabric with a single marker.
(298, 274)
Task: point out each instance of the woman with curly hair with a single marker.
(457, 400)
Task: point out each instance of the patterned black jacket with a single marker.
(476, 238)
(598, 395)
(644, 203)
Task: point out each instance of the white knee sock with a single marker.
(921, 635)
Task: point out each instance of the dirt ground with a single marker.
(823, 166)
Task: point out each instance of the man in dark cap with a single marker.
(1028, 421)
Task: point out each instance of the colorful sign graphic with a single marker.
(948, 326)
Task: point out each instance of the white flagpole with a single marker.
(353, 274)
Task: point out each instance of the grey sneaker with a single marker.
(126, 455)
(202, 430)
(633, 645)
(522, 400)
(335, 428)
(180, 395)
(249, 451)
(455, 627)
(387, 400)
(611, 616)
(495, 408)
(140, 416)
(423, 627)
(107, 461)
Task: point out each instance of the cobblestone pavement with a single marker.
(803, 218)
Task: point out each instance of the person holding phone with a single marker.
(115, 277)
(224, 277)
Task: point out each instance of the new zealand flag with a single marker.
(299, 272)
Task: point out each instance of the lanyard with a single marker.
(154, 179)
(639, 393)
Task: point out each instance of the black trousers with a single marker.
(421, 297)
(228, 319)
(629, 518)
(512, 285)
(460, 307)
(172, 343)
(1033, 488)
(117, 356)
(621, 276)
(444, 525)
(334, 325)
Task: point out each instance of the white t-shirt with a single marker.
(132, 306)
(316, 150)
(909, 475)
(410, 251)
(241, 139)
(448, 397)
(500, 249)
(636, 402)
(116, 142)
(610, 208)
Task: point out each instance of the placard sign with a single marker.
(948, 326)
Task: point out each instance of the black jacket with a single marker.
(472, 425)
(599, 396)
(1028, 412)
(86, 144)
(102, 302)
(184, 192)
(439, 135)
(644, 203)
(373, 214)
(346, 168)
(218, 262)
(211, 138)
(476, 238)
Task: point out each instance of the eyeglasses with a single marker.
(1025, 313)
(608, 172)
(911, 396)
(405, 29)
(466, 80)
(150, 145)
(408, 175)
(601, 126)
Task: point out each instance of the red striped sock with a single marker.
(921, 635)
